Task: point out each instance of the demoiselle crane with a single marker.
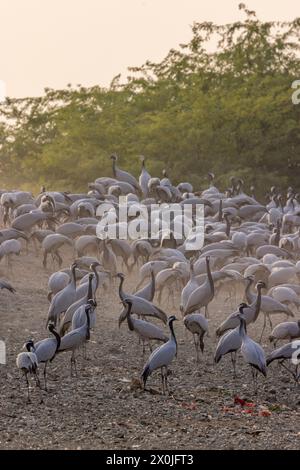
(27, 362)
(161, 358)
(197, 324)
(46, 349)
(76, 338)
(289, 351)
(63, 299)
(251, 351)
(285, 330)
(202, 295)
(140, 306)
(145, 330)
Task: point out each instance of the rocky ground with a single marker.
(104, 408)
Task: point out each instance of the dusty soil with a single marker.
(103, 408)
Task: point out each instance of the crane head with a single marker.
(92, 303)
(242, 306)
(29, 345)
(171, 319)
(120, 275)
(261, 285)
(51, 326)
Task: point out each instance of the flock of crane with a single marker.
(247, 245)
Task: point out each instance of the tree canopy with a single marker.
(228, 110)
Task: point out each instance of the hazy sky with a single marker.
(54, 42)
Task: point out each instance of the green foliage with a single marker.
(228, 111)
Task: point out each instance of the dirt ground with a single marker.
(103, 408)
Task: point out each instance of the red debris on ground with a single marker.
(246, 408)
(189, 406)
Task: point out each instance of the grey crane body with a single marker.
(284, 352)
(46, 349)
(269, 306)
(191, 285)
(144, 179)
(83, 288)
(25, 222)
(71, 229)
(148, 291)
(27, 362)
(124, 175)
(51, 244)
(145, 330)
(140, 306)
(161, 358)
(250, 313)
(289, 351)
(252, 352)
(197, 324)
(57, 281)
(63, 299)
(76, 338)
(230, 342)
(78, 304)
(285, 330)
(79, 317)
(9, 233)
(202, 295)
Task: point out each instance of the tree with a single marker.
(229, 111)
